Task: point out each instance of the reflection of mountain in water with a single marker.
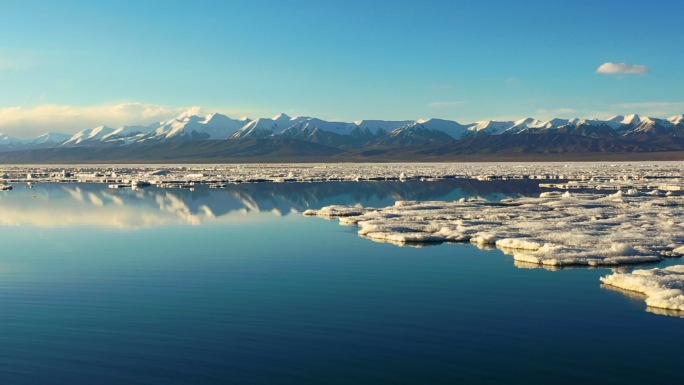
(286, 197)
(52, 204)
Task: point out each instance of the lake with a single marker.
(235, 286)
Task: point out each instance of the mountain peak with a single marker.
(282, 116)
(189, 113)
(528, 122)
(631, 119)
(677, 119)
(214, 117)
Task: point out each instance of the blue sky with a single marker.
(69, 65)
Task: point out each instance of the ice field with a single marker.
(600, 175)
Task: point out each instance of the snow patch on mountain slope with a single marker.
(677, 119)
(51, 138)
(90, 134)
(377, 126)
(491, 127)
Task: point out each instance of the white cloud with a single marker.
(621, 68)
(33, 121)
(446, 104)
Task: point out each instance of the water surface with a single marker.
(234, 286)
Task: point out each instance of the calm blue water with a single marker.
(101, 286)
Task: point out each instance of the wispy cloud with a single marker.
(621, 68)
(446, 104)
(33, 121)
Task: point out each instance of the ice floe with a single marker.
(555, 229)
(663, 287)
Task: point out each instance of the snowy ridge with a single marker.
(490, 127)
(524, 124)
(263, 127)
(90, 134)
(216, 126)
(312, 124)
(51, 138)
(377, 126)
(210, 127)
(451, 128)
(128, 134)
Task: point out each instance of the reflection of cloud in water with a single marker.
(46, 214)
(94, 205)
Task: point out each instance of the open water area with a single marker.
(235, 286)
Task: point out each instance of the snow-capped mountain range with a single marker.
(344, 134)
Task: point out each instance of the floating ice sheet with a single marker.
(555, 229)
(663, 288)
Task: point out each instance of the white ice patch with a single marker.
(484, 239)
(555, 229)
(337, 211)
(516, 243)
(664, 288)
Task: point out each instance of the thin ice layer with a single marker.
(664, 288)
(554, 229)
